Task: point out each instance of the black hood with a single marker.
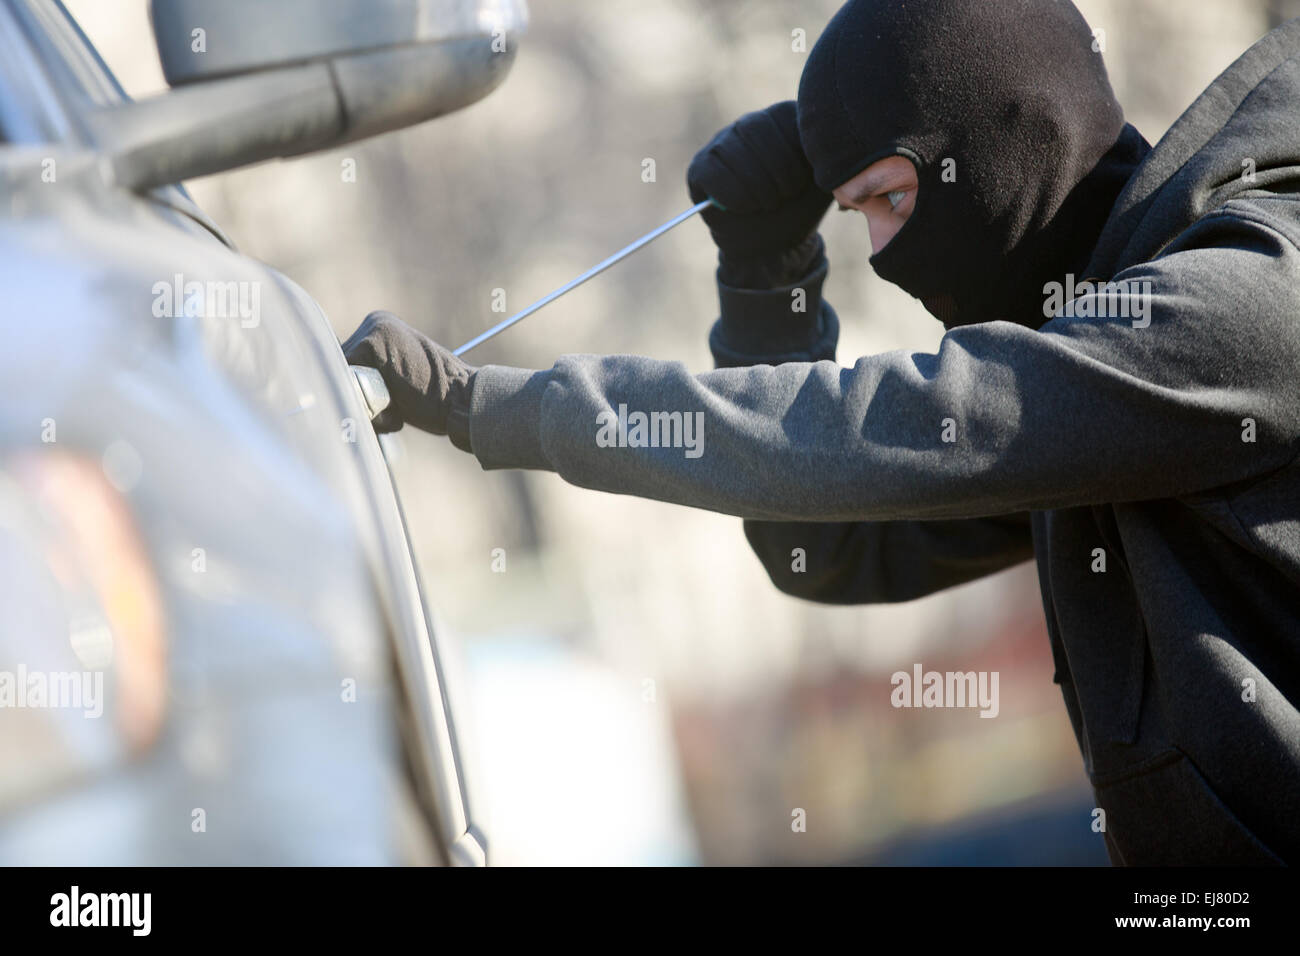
(1241, 135)
(1007, 113)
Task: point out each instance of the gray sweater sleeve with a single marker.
(847, 562)
(1198, 393)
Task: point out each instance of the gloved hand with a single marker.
(756, 168)
(429, 386)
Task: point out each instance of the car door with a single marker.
(50, 76)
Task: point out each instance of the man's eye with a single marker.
(896, 197)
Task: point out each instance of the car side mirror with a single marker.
(259, 79)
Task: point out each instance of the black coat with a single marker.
(1157, 657)
(1165, 444)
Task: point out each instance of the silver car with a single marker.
(214, 648)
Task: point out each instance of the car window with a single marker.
(65, 49)
(30, 109)
(50, 73)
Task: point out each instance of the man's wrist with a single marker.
(821, 338)
(784, 323)
(458, 413)
(771, 271)
(505, 417)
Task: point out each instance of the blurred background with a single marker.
(629, 686)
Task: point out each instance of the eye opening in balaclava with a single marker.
(940, 304)
(1007, 114)
(890, 153)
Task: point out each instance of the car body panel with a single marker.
(305, 713)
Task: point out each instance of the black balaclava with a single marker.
(1005, 109)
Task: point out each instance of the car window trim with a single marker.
(28, 94)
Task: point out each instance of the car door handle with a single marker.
(373, 390)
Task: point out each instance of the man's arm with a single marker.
(1003, 419)
(881, 562)
(776, 314)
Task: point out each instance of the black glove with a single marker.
(429, 386)
(757, 170)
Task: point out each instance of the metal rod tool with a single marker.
(574, 283)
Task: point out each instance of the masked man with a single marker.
(1117, 394)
